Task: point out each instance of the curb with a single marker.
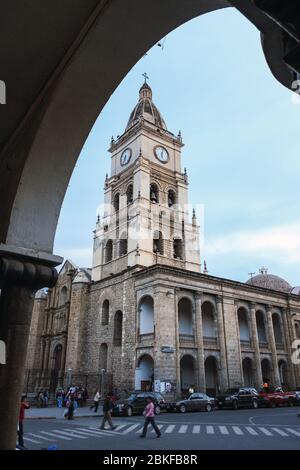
(29, 418)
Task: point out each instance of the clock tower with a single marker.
(146, 217)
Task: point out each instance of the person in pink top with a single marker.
(149, 418)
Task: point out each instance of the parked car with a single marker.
(195, 402)
(235, 398)
(277, 397)
(136, 403)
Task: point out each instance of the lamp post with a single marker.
(69, 377)
(102, 382)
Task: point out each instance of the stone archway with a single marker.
(211, 376)
(187, 373)
(144, 373)
(248, 374)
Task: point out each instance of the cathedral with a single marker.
(146, 316)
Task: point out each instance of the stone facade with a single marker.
(145, 316)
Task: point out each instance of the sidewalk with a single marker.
(57, 413)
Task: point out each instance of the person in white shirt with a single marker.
(96, 401)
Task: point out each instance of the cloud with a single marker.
(282, 242)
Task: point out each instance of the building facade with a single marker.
(145, 316)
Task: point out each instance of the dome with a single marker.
(269, 281)
(146, 109)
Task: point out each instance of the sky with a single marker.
(241, 133)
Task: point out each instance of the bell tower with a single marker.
(146, 217)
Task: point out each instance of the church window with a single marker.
(178, 248)
(171, 198)
(123, 247)
(277, 329)
(243, 324)
(118, 325)
(154, 193)
(105, 312)
(117, 202)
(208, 320)
(108, 251)
(158, 243)
(185, 317)
(63, 296)
(146, 315)
(261, 327)
(129, 194)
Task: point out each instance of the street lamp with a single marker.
(69, 377)
(102, 382)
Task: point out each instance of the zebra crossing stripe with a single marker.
(120, 426)
(170, 429)
(223, 430)
(292, 431)
(196, 429)
(159, 427)
(183, 429)
(266, 432)
(105, 431)
(237, 430)
(280, 432)
(85, 432)
(210, 430)
(31, 440)
(70, 434)
(40, 437)
(251, 431)
(140, 430)
(131, 428)
(55, 435)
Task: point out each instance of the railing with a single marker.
(183, 338)
(280, 346)
(210, 341)
(245, 343)
(263, 344)
(146, 337)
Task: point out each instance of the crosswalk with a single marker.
(225, 430)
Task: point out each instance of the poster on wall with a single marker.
(162, 387)
(157, 386)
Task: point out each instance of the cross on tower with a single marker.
(145, 77)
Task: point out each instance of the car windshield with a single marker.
(131, 397)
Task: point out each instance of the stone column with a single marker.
(199, 342)
(255, 343)
(272, 344)
(177, 346)
(221, 335)
(20, 278)
(290, 336)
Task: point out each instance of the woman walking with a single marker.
(149, 418)
(96, 401)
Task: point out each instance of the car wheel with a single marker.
(255, 404)
(182, 408)
(157, 410)
(129, 411)
(208, 407)
(234, 405)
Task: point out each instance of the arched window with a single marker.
(208, 320)
(261, 328)
(118, 325)
(117, 202)
(154, 193)
(185, 317)
(178, 248)
(103, 357)
(248, 374)
(105, 312)
(171, 198)
(158, 243)
(129, 194)
(123, 246)
(277, 329)
(211, 376)
(108, 251)
(266, 371)
(146, 315)
(243, 324)
(63, 295)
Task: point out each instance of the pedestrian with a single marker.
(59, 398)
(45, 398)
(149, 418)
(107, 407)
(70, 406)
(24, 406)
(191, 389)
(97, 398)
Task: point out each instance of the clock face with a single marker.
(161, 154)
(125, 157)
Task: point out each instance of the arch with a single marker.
(123, 246)
(116, 202)
(178, 248)
(283, 373)
(158, 243)
(208, 320)
(277, 328)
(187, 372)
(144, 373)
(297, 330)
(185, 317)
(57, 357)
(154, 193)
(118, 328)
(248, 373)
(103, 355)
(211, 376)
(108, 251)
(146, 315)
(129, 193)
(105, 313)
(243, 324)
(171, 198)
(261, 326)
(266, 370)
(63, 296)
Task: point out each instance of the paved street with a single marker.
(242, 429)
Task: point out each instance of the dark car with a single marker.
(235, 398)
(136, 403)
(195, 402)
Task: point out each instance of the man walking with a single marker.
(96, 401)
(24, 406)
(149, 418)
(107, 407)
